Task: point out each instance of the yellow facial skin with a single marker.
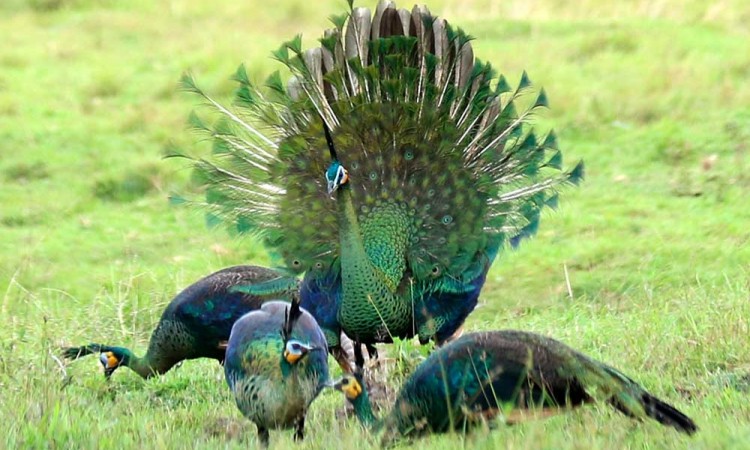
(291, 358)
(351, 388)
(109, 359)
(345, 178)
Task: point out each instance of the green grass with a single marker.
(653, 95)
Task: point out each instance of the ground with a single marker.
(644, 266)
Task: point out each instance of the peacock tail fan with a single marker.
(421, 125)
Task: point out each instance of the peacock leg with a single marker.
(263, 437)
(372, 352)
(359, 359)
(299, 432)
(342, 358)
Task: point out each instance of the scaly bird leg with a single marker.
(263, 437)
(372, 352)
(359, 359)
(299, 433)
(341, 357)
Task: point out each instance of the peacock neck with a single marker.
(140, 365)
(373, 263)
(352, 246)
(363, 411)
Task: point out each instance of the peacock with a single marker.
(195, 324)
(504, 374)
(389, 171)
(276, 364)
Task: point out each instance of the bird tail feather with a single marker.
(635, 402)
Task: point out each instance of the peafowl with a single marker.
(390, 171)
(509, 374)
(276, 365)
(195, 324)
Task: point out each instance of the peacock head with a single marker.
(295, 350)
(111, 360)
(350, 385)
(353, 387)
(336, 176)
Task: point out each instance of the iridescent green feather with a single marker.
(418, 122)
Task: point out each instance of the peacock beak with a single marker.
(332, 186)
(292, 358)
(349, 386)
(298, 352)
(109, 360)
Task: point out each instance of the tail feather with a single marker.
(667, 414)
(634, 402)
(466, 163)
(656, 409)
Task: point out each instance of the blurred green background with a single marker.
(654, 95)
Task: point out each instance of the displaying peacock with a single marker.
(276, 365)
(195, 324)
(396, 214)
(507, 374)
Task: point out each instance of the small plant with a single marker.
(131, 186)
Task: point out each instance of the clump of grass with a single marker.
(132, 185)
(47, 5)
(618, 42)
(647, 95)
(43, 6)
(25, 172)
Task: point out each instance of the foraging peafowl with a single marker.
(195, 324)
(509, 374)
(390, 170)
(276, 365)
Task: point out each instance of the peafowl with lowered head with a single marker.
(195, 324)
(390, 171)
(508, 374)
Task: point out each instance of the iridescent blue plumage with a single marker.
(276, 364)
(508, 374)
(195, 324)
(393, 161)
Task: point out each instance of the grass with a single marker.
(652, 94)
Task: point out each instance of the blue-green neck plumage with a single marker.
(363, 411)
(142, 366)
(372, 269)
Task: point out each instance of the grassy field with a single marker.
(653, 94)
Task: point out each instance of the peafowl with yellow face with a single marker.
(508, 374)
(389, 172)
(276, 365)
(195, 324)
